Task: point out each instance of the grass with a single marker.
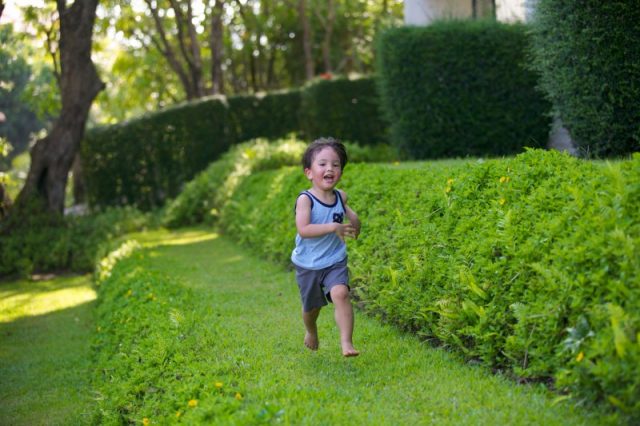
(252, 310)
(396, 380)
(45, 328)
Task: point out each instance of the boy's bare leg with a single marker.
(311, 338)
(344, 318)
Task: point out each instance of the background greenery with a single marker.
(346, 107)
(586, 54)
(457, 88)
(146, 161)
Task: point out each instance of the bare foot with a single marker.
(348, 350)
(311, 341)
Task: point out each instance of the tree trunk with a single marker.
(328, 33)
(217, 48)
(52, 156)
(306, 39)
(79, 187)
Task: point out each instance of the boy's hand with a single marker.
(345, 230)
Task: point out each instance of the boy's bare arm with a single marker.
(308, 230)
(351, 215)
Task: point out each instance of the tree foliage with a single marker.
(171, 50)
(23, 92)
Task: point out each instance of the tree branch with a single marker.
(180, 20)
(167, 51)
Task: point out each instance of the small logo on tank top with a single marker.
(338, 217)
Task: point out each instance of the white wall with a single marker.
(423, 12)
(515, 10)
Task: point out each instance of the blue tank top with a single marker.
(321, 252)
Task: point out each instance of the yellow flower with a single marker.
(218, 385)
(502, 201)
(129, 293)
(447, 189)
(580, 357)
(193, 403)
(145, 421)
(449, 182)
(178, 413)
(238, 396)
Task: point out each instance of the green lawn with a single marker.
(254, 313)
(45, 329)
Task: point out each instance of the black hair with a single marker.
(318, 145)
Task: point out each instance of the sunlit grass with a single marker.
(166, 237)
(27, 298)
(45, 329)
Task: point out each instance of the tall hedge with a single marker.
(528, 265)
(459, 88)
(271, 115)
(145, 161)
(588, 55)
(345, 108)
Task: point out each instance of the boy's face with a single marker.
(325, 170)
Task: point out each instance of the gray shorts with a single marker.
(315, 285)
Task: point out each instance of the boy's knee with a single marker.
(340, 293)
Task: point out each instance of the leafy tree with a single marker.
(18, 82)
(171, 50)
(53, 155)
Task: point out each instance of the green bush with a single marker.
(152, 354)
(587, 55)
(460, 88)
(147, 160)
(345, 107)
(527, 264)
(272, 115)
(41, 242)
(204, 197)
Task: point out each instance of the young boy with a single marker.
(320, 255)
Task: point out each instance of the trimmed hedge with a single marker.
(586, 52)
(345, 107)
(205, 196)
(153, 357)
(528, 264)
(460, 88)
(273, 115)
(145, 161)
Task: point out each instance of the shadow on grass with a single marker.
(44, 366)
